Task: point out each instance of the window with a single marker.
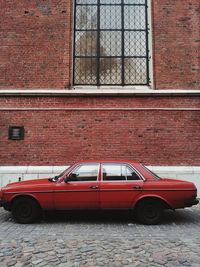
(118, 172)
(85, 173)
(131, 174)
(111, 42)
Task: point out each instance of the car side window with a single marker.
(131, 174)
(84, 173)
(118, 172)
(113, 172)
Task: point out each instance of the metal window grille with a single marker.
(111, 42)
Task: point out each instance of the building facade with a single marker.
(92, 79)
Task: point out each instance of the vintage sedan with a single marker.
(99, 185)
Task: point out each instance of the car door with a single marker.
(80, 190)
(120, 185)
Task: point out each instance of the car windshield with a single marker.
(154, 174)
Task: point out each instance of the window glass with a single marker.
(113, 172)
(85, 173)
(131, 174)
(110, 17)
(118, 172)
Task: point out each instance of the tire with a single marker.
(149, 212)
(26, 210)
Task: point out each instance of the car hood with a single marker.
(30, 183)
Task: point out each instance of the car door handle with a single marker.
(137, 187)
(94, 187)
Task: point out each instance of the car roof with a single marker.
(110, 161)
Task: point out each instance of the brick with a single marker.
(36, 52)
(35, 44)
(176, 44)
(60, 137)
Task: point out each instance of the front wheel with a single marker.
(26, 210)
(149, 212)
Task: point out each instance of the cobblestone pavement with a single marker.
(110, 239)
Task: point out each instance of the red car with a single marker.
(99, 185)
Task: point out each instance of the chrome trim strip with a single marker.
(120, 181)
(29, 192)
(141, 189)
(54, 191)
(174, 189)
(97, 190)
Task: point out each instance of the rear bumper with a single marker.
(191, 202)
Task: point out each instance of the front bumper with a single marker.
(191, 202)
(4, 204)
(1, 203)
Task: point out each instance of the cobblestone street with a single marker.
(109, 239)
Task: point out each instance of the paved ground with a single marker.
(110, 239)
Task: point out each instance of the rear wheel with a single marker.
(26, 210)
(149, 211)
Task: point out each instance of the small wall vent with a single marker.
(16, 133)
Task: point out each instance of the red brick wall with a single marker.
(176, 42)
(59, 137)
(35, 43)
(35, 52)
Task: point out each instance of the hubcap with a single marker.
(150, 212)
(25, 211)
